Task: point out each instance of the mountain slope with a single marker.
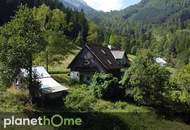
(77, 4)
(157, 11)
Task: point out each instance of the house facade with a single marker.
(92, 59)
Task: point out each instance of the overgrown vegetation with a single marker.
(38, 30)
(20, 39)
(12, 100)
(136, 117)
(178, 97)
(80, 100)
(105, 86)
(146, 81)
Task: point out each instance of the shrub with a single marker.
(105, 86)
(181, 96)
(182, 79)
(178, 94)
(80, 100)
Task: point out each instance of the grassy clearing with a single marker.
(136, 117)
(150, 121)
(62, 66)
(13, 100)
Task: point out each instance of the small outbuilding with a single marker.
(49, 87)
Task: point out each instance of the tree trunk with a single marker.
(47, 60)
(30, 80)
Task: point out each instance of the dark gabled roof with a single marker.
(103, 55)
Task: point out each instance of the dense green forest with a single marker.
(9, 7)
(162, 26)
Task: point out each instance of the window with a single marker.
(86, 62)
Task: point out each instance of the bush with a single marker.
(180, 84)
(105, 86)
(182, 79)
(182, 96)
(80, 100)
(178, 95)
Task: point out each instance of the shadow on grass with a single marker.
(90, 121)
(96, 121)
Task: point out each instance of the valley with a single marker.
(128, 90)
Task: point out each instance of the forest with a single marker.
(47, 33)
(161, 26)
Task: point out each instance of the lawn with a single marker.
(136, 117)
